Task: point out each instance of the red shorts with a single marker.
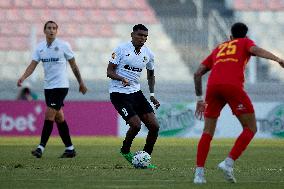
(217, 96)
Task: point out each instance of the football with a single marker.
(141, 159)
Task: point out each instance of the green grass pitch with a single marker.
(99, 164)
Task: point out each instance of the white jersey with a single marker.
(130, 65)
(54, 59)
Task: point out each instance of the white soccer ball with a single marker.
(141, 159)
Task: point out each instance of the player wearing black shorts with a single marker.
(54, 54)
(124, 68)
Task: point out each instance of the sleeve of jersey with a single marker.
(208, 62)
(68, 53)
(35, 56)
(115, 56)
(249, 43)
(150, 64)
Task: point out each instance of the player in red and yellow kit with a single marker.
(227, 63)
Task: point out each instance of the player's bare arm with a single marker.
(151, 84)
(82, 88)
(30, 69)
(198, 79)
(260, 52)
(200, 104)
(113, 75)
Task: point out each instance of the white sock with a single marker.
(41, 147)
(229, 162)
(199, 171)
(70, 147)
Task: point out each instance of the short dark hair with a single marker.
(48, 22)
(239, 30)
(139, 27)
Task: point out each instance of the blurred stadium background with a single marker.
(181, 34)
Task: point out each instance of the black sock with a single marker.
(151, 140)
(64, 133)
(130, 135)
(46, 132)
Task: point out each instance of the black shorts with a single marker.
(54, 97)
(131, 104)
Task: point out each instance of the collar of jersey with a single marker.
(52, 44)
(133, 48)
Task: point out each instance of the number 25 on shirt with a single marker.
(228, 48)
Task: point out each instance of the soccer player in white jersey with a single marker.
(54, 54)
(124, 69)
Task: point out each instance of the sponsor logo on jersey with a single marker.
(127, 67)
(241, 107)
(50, 59)
(113, 55)
(145, 59)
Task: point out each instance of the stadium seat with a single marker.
(55, 4)
(6, 29)
(96, 16)
(241, 5)
(69, 30)
(13, 15)
(62, 16)
(106, 31)
(259, 5)
(6, 4)
(88, 4)
(3, 44)
(123, 4)
(142, 4)
(24, 29)
(3, 17)
(92, 27)
(103, 4)
(276, 4)
(21, 3)
(43, 14)
(149, 17)
(38, 4)
(71, 4)
(89, 30)
(116, 16)
(29, 15)
(13, 43)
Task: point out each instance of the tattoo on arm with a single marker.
(151, 80)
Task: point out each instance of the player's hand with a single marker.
(200, 108)
(125, 82)
(155, 102)
(82, 88)
(20, 81)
